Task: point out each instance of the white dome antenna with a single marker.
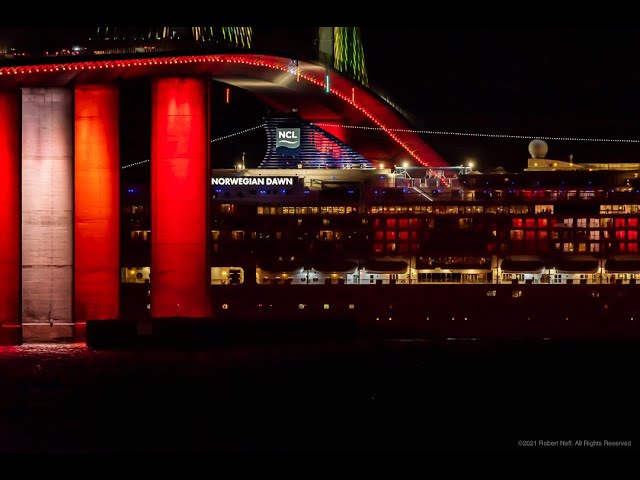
(538, 148)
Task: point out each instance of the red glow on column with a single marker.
(97, 203)
(9, 208)
(179, 186)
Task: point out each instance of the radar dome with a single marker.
(538, 148)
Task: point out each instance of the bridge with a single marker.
(60, 168)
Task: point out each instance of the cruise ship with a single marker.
(322, 234)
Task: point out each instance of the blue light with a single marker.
(131, 190)
(327, 83)
(284, 191)
(349, 191)
(218, 190)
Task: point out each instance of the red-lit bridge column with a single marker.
(9, 217)
(179, 185)
(97, 203)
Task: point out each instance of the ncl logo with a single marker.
(288, 137)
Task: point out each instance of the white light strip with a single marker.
(487, 135)
(134, 164)
(238, 133)
(214, 140)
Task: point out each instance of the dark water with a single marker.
(374, 396)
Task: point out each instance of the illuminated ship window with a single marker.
(351, 306)
(326, 235)
(225, 306)
(516, 294)
(140, 235)
(135, 275)
(227, 275)
(301, 306)
(227, 208)
(326, 306)
(491, 293)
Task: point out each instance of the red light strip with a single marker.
(252, 60)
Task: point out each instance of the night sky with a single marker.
(578, 82)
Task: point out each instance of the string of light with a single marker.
(486, 135)
(134, 164)
(241, 132)
(247, 130)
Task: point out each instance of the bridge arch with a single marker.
(283, 83)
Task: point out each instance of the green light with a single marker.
(237, 36)
(349, 54)
(327, 83)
